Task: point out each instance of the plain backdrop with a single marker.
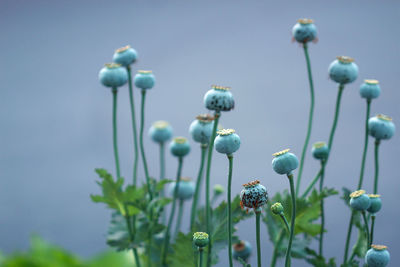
(56, 117)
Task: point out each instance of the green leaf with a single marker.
(360, 247)
(184, 250)
(118, 235)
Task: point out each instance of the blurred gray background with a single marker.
(56, 116)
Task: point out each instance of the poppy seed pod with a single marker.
(277, 208)
(219, 98)
(320, 150)
(304, 31)
(227, 141)
(160, 131)
(370, 89)
(284, 162)
(381, 127)
(185, 190)
(179, 147)
(144, 79)
(376, 203)
(242, 250)
(125, 56)
(218, 189)
(113, 75)
(201, 128)
(377, 256)
(253, 196)
(343, 70)
(359, 200)
(200, 239)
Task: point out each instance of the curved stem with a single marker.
(275, 254)
(377, 142)
(336, 117)
(349, 229)
(230, 158)
(293, 219)
(198, 186)
(371, 240)
(179, 220)
(146, 170)
(285, 221)
(258, 238)
(313, 182)
(208, 172)
(134, 130)
(171, 216)
(364, 155)
(321, 234)
(366, 228)
(310, 118)
(115, 142)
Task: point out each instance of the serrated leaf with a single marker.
(118, 235)
(360, 247)
(184, 250)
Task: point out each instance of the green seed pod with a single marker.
(277, 208)
(200, 239)
(218, 189)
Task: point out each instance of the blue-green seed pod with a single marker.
(381, 127)
(227, 141)
(179, 147)
(253, 196)
(343, 70)
(320, 150)
(370, 89)
(160, 131)
(144, 79)
(218, 189)
(304, 31)
(125, 56)
(200, 239)
(185, 190)
(377, 256)
(219, 98)
(277, 208)
(242, 250)
(201, 128)
(113, 75)
(376, 203)
(359, 200)
(284, 162)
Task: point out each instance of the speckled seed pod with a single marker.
(200, 239)
(320, 150)
(201, 128)
(253, 196)
(113, 75)
(370, 89)
(125, 56)
(381, 127)
(242, 250)
(377, 256)
(144, 79)
(227, 141)
(160, 131)
(219, 98)
(179, 147)
(277, 208)
(284, 162)
(376, 203)
(359, 200)
(304, 31)
(185, 190)
(343, 70)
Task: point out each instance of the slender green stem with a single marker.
(208, 172)
(282, 215)
(321, 234)
(171, 216)
(179, 220)
(201, 257)
(377, 142)
(275, 253)
(132, 238)
(335, 120)
(349, 229)
(258, 214)
(115, 142)
(313, 182)
(146, 170)
(198, 185)
(371, 240)
(134, 129)
(230, 158)
(162, 162)
(310, 118)
(364, 155)
(366, 228)
(293, 219)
